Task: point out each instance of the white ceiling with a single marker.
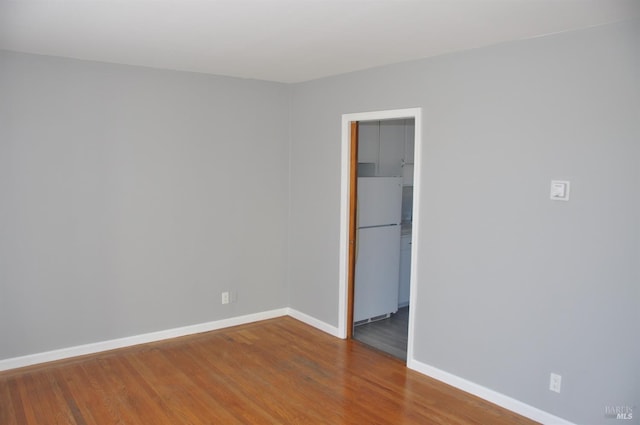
(285, 40)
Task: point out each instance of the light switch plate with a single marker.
(560, 190)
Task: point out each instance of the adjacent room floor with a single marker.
(388, 335)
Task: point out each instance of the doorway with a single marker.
(347, 239)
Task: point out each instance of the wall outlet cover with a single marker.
(555, 382)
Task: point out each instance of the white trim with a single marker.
(343, 252)
(416, 114)
(312, 321)
(484, 393)
(97, 347)
(415, 231)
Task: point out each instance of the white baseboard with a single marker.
(487, 394)
(97, 347)
(312, 321)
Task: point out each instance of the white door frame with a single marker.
(416, 114)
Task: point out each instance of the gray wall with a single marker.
(512, 285)
(131, 197)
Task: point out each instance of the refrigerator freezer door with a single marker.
(379, 201)
(377, 271)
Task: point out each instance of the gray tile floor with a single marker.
(388, 335)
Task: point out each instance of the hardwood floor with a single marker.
(389, 335)
(279, 371)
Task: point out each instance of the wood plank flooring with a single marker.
(389, 335)
(278, 371)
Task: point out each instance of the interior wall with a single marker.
(130, 198)
(513, 286)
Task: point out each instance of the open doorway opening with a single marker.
(383, 210)
(380, 161)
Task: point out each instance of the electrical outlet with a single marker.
(225, 298)
(555, 381)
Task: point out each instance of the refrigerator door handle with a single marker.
(378, 226)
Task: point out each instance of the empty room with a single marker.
(320, 212)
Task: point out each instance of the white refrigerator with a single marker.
(377, 247)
